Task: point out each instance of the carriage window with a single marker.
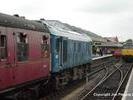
(22, 47)
(45, 46)
(64, 50)
(3, 47)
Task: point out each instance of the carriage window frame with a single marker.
(22, 45)
(3, 47)
(45, 46)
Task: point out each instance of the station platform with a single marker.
(101, 57)
(128, 94)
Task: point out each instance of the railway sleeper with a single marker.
(25, 94)
(29, 91)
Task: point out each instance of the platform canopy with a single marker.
(110, 44)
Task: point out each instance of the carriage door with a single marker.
(21, 69)
(6, 59)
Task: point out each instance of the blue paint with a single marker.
(78, 53)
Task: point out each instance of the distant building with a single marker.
(112, 42)
(112, 39)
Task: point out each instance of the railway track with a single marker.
(126, 71)
(98, 72)
(109, 68)
(111, 86)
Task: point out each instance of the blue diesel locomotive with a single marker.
(71, 55)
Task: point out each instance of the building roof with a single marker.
(110, 44)
(112, 39)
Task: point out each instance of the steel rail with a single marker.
(105, 78)
(124, 77)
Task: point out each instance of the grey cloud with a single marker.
(108, 6)
(123, 24)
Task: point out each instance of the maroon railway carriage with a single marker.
(24, 52)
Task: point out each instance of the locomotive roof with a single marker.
(68, 34)
(18, 22)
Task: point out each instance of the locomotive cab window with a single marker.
(22, 46)
(45, 46)
(3, 47)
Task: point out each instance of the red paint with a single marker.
(117, 53)
(13, 72)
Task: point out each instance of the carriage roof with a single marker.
(22, 23)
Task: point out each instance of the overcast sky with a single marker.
(104, 17)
